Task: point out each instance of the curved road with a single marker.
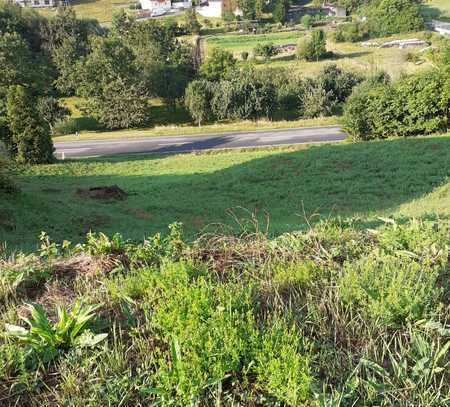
(177, 144)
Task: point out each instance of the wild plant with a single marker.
(46, 340)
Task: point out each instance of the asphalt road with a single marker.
(177, 144)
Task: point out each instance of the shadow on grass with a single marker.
(348, 180)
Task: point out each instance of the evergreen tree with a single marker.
(30, 133)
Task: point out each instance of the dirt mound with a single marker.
(107, 193)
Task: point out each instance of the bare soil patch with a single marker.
(103, 193)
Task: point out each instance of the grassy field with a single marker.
(101, 10)
(398, 177)
(246, 42)
(347, 55)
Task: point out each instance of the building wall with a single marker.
(152, 4)
(213, 9)
(37, 3)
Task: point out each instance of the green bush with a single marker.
(411, 106)
(387, 17)
(350, 32)
(31, 139)
(7, 183)
(314, 48)
(215, 339)
(265, 50)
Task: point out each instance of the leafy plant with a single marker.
(47, 339)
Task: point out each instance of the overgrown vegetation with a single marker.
(413, 105)
(328, 316)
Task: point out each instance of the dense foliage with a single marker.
(313, 48)
(309, 318)
(413, 105)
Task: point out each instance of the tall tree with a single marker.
(31, 139)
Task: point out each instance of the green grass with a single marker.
(395, 177)
(351, 56)
(101, 10)
(246, 42)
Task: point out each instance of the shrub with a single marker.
(350, 32)
(313, 49)
(218, 65)
(280, 367)
(244, 55)
(411, 106)
(7, 184)
(198, 100)
(306, 21)
(265, 50)
(31, 139)
(387, 17)
(244, 97)
(191, 22)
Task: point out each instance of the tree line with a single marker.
(117, 71)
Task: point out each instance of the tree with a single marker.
(190, 20)
(314, 48)
(317, 45)
(279, 11)
(51, 111)
(244, 97)
(30, 134)
(121, 104)
(306, 21)
(198, 100)
(387, 17)
(113, 84)
(218, 65)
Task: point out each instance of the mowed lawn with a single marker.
(395, 177)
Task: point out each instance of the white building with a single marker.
(156, 5)
(38, 3)
(210, 8)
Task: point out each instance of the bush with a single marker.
(218, 65)
(316, 102)
(306, 21)
(244, 55)
(31, 139)
(411, 106)
(7, 184)
(198, 100)
(265, 50)
(350, 32)
(244, 97)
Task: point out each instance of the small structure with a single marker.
(441, 27)
(334, 11)
(414, 42)
(38, 3)
(156, 7)
(210, 8)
